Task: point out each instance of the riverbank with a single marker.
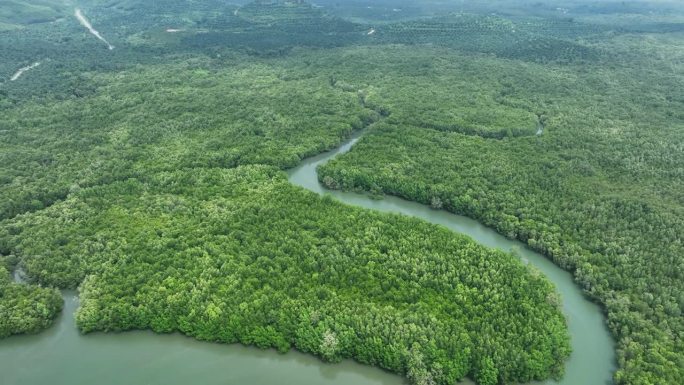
(593, 350)
(62, 356)
(68, 357)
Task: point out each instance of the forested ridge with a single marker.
(149, 176)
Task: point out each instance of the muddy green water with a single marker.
(61, 356)
(593, 358)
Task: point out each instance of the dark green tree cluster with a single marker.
(241, 255)
(26, 308)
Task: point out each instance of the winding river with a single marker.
(593, 358)
(61, 356)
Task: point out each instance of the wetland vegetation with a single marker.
(151, 177)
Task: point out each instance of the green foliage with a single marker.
(525, 39)
(16, 14)
(110, 177)
(241, 255)
(26, 308)
(599, 191)
(144, 120)
(8, 262)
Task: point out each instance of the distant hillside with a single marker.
(18, 13)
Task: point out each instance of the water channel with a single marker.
(62, 356)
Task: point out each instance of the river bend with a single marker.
(62, 356)
(593, 349)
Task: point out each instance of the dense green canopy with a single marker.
(241, 255)
(599, 190)
(25, 308)
(150, 175)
